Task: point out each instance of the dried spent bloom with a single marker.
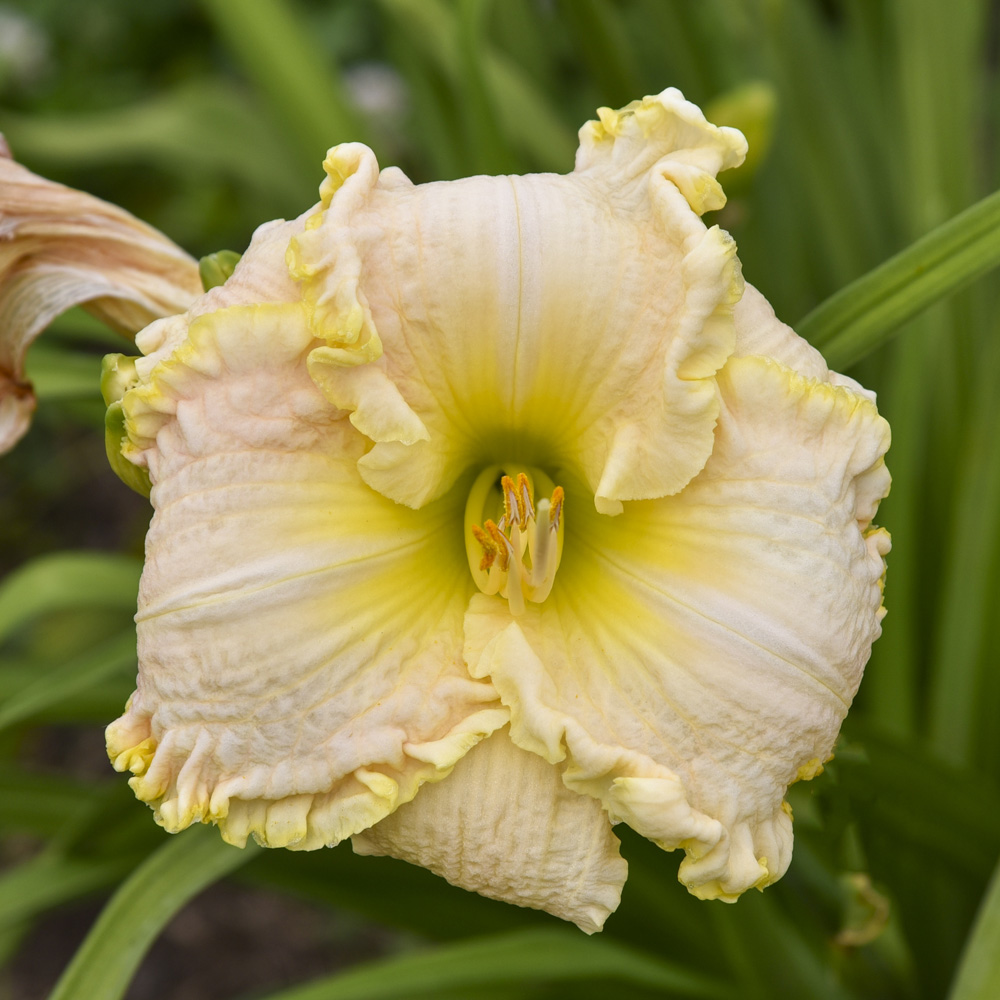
(60, 248)
(494, 512)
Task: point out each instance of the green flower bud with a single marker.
(216, 268)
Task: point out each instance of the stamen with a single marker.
(519, 553)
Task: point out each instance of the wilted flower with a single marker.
(60, 248)
(493, 512)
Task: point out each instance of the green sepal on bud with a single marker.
(216, 268)
(117, 377)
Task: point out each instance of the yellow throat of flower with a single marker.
(513, 544)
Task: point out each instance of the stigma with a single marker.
(514, 553)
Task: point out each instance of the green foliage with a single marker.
(511, 960)
(871, 213)
(151, 895)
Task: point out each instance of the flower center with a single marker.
(513, 544)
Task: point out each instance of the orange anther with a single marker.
(527, 507)
(555, 511)
(503, 546)
(489, 547)
(511, 513)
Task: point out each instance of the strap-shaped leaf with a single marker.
(66, 681)
(141, 908)
(67, 580)
(978, 976)
(49, 879)
(521, 958)
(40, 803)
(281, 56)
(862, 316)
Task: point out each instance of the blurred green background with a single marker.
(870, 122)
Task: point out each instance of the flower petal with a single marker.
(60, 248)
(299, 634)
(670, 134)
(759, 332)
(699, 653)
(583, 315)
(504, 825)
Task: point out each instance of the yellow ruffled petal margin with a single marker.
(583, 315)
(699, 653)
(667, 133)
(299, 635)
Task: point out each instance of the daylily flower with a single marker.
(60, 248)
(491, 513)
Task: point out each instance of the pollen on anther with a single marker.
(525, 501)
(489, 547)
(510, 506)
(555, 510)
(501, 543)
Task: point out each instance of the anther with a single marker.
(524, 496)
(489, 547)
(555, 510)
(502, 543)
(511, 510)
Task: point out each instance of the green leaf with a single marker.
(40, 803)
(103, 966)
(285, 63)
(527, 116)
(57, 373)
(77, 324)
(489, 150)
(966, 615)
(603, 44)
(978, 976)
(49, 879)
(857, 319)
(524, 957)
(386, 891)
(523, 111)
(67, 580)
(93, 704)
(901, 793)
(66, 681)
(205, 126)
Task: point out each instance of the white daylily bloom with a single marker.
(502, 513)
(60, 248)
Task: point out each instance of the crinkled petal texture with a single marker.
(699, 652)
(299, 635)
(505, 826)
(582, 315)
(60, 248)
(312, 647)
